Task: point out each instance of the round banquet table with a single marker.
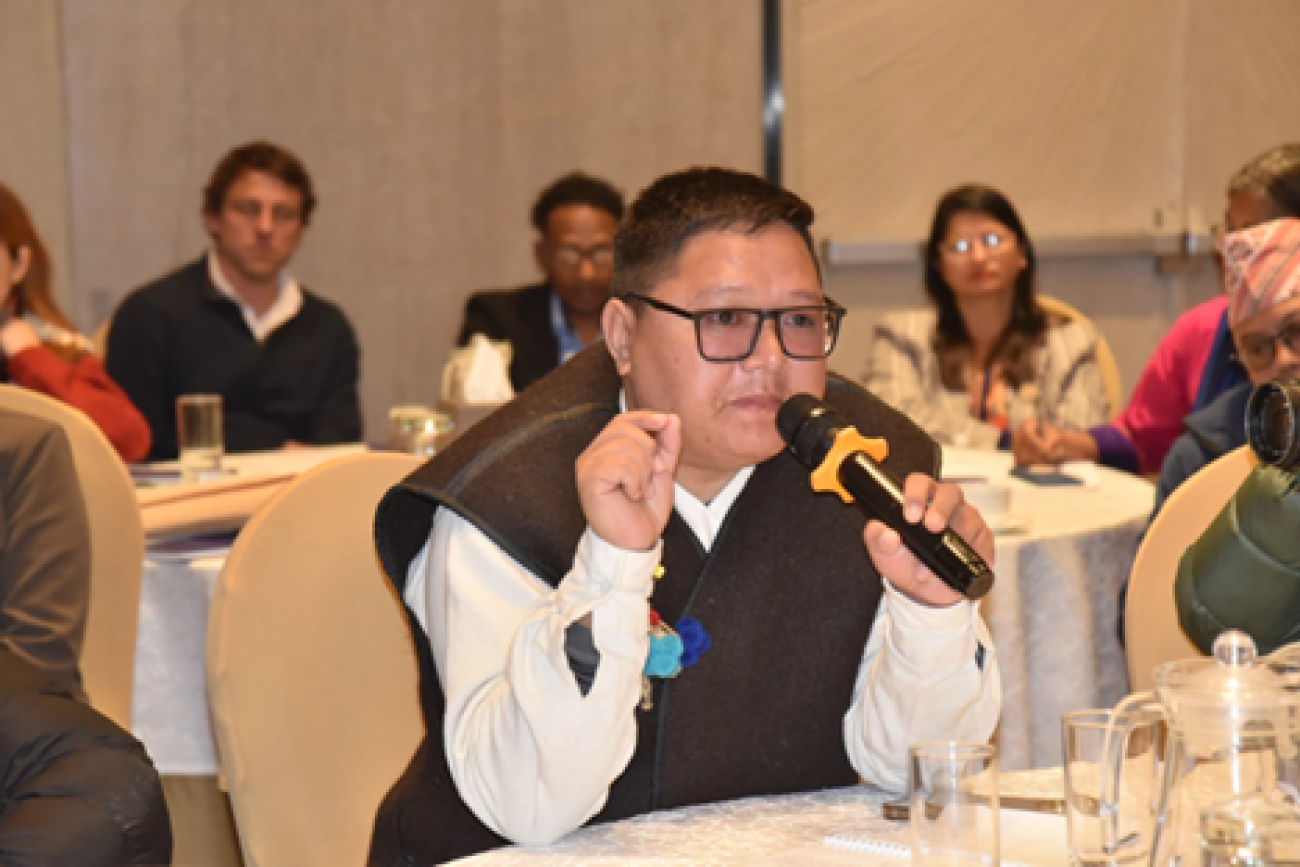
(783, 830)
(1062, 553)
(1052, 614)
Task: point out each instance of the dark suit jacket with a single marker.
(75, 790)
(522, 316)
(44, 551)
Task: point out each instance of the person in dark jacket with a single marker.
(548, 322)
(78, 791)
(1262, 273)
(1209, 434)
(44, 549)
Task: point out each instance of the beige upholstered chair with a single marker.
(1152, 635)
(1110, 377)
(311, 672)
(116, 549)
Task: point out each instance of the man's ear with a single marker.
(618, 324)
(210, 224)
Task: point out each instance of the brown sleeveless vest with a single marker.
(787, 594)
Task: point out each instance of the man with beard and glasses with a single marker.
(547, 556)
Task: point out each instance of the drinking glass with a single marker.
(1084, 733)
(199, 436)
(953, 789)
(418, 430)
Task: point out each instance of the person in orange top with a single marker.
(39, 347)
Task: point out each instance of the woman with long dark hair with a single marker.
(986, 358)
(39, 347)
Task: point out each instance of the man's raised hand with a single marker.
(625, 478)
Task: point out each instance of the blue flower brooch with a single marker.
(671, 649)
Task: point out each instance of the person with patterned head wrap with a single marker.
(1242, 573)
(1262, 278)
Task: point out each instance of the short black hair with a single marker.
(259, 156)
(1276, 174)
(576, 188)
(685, 204)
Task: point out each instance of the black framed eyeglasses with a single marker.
(601, 258)
(1258, 352)
(724, 334)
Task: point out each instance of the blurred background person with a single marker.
(1196, 361)
(236, 323)
(1262, 277)
(44, 549)
(39, 347)
(986, 359)
(548, 322)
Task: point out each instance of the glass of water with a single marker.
(199, 436)
(953, 788)
(1122, 835)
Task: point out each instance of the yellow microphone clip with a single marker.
(826, 478)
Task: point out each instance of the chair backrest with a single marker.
(116, 553)
(1111, 381)
(1152, 635)
(312, 676)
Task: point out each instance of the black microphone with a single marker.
(836, 452)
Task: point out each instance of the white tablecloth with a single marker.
(169, 709)
(785, 830)
(1052, 613)
(1054, 606)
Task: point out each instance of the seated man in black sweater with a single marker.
(548, 322)
(235, 323)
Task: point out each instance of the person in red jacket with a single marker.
(41, 350)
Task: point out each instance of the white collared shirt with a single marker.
(534, 758)
(287, 303)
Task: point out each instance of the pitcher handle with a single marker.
(1138, 709)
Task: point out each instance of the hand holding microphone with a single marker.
(812, 430)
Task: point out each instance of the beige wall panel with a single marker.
(428, 128)
(32, 157)
(1089, 115)
(1068, 107)
(1243, 90)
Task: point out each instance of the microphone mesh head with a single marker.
(808, 426)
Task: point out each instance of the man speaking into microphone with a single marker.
(627, 595)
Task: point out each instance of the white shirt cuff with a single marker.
(601, 569)
(912, 616)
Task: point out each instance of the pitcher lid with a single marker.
(1234, 675)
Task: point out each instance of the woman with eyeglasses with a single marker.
(986, 359)
(39, 347)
